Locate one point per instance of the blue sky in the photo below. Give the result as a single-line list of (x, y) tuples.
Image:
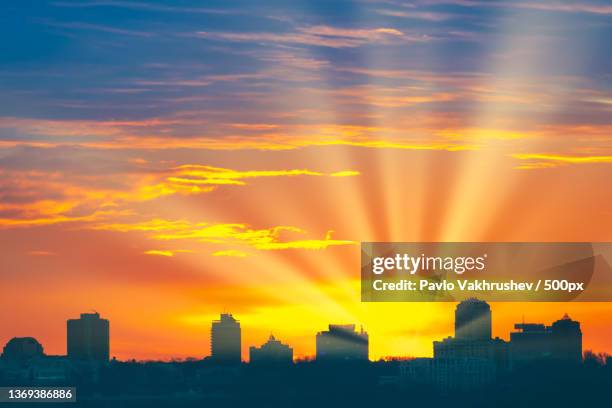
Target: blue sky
[(130, 59)]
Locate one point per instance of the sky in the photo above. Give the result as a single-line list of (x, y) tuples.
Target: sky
[(163, 162)]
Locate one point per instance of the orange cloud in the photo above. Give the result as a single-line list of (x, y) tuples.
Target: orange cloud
[(199, 174), (41, 253), (164, 133), (303, 244), (165, 252), (159, 252), (346, 173), (103, 203), (272, 238), (153, 225), (537, 160), (230, 252)]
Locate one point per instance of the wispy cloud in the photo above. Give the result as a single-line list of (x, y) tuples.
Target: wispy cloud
[(231, 252), (266, 239), (101, 28), (86, 204), (159, 133), (320, 35), (538, 160), (135, 5), (346, 173), (559, 6), (166, 252), (200, 174), (565, 6), (415, 14), (41, 253)]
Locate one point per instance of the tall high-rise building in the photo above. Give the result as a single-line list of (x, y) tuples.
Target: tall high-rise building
[(469, 360), (473, 336), (342, 342), (88, 338), (225, 344), (271, 352), (473, 320)]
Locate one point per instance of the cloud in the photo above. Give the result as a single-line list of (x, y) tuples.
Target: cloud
[(264, 239), (230, 252), (365, 34), (304, 244), (154, 225), (135, 5), (565, 6), (33, 198), (41, 253), (538, 160), (100, 28), (84, 129), (346, 173), (390, 144), (292, 60), (165, 252), (389, 97), (558, 6), (159, 252), (195, 179), (318, 35), (35, 202), (159, 133), (194, 174), (42, 220), (417, 15), (265, 142)]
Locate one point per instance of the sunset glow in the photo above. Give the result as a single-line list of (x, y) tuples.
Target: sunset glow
[(161, 164)]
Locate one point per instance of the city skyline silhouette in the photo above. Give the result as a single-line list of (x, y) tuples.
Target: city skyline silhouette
[(228, 343), (471, 365)]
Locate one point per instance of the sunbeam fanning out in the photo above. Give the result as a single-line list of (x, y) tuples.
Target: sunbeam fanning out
[(162, 162)]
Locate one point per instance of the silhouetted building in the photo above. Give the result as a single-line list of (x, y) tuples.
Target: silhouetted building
[(448, 374), (530, 342), (469, 360), (271, 352), (225, 344), (562, 341), (342, 342), (22, 350), (88, 338), (566, 340), (50, 370), (473, 320), (494, 350), (473, 336)]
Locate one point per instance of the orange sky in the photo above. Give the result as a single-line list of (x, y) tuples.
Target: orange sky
[(273, 280), (164, 164)]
